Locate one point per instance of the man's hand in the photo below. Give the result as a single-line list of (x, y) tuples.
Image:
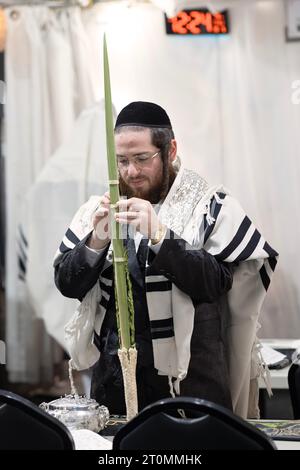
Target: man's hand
[(140, 214), (101, 233)]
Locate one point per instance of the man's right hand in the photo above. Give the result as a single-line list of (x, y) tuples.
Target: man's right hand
[(101, 234)]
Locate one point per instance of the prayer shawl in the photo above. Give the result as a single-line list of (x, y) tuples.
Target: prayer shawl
[(208, 218)]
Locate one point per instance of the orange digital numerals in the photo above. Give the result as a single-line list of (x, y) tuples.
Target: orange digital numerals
[(190, 22)]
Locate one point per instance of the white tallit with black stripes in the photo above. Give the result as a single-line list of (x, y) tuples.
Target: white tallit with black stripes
[(212, 219)]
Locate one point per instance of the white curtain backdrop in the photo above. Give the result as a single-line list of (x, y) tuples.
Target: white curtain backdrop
[(171, 7), (229, 99), (48, 82), (74, 173)]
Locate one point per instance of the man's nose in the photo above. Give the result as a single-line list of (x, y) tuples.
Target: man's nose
[(132, 169)]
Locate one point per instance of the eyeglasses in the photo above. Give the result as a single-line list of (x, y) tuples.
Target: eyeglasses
[(138, 160)]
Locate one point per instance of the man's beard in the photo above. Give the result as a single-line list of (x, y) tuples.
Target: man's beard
[(156, 193)]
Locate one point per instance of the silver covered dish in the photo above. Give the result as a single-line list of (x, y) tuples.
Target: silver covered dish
[(77, 412)]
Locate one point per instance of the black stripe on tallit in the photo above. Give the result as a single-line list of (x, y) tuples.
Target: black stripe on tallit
[(237, 239), (160, 286), (97, 340), (215, 207), (162, 328), (162, 334), (250, 247), (272, 253), (105, 288), (63, 248), (272, 263), (165, 323), (264, 277), (72, 237), (103, 302)]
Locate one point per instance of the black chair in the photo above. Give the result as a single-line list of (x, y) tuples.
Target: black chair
[(206, 426), (294, 388), (24, 425)]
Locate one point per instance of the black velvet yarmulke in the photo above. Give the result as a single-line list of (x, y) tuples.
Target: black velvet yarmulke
[(143, 113)]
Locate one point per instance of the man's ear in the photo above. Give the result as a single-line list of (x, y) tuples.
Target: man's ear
[(173, 150)]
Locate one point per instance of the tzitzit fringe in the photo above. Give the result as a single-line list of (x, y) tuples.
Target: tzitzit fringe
[(74, 390)]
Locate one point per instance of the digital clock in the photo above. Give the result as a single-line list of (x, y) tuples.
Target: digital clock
[(197, 22)]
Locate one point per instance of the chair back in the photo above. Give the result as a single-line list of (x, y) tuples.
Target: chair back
[(23, 425), (189, 423), (294, 388)]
